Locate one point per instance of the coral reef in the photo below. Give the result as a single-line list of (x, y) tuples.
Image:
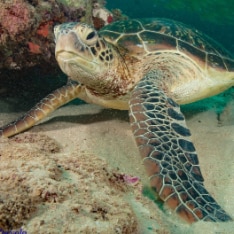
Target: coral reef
[(26, 30), (47, 186), (15, 18), (101, 16), (26, 27), (118, 15), (16, 169)]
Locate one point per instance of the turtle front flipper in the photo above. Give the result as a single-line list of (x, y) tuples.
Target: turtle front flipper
[(47, 105), (169, 155)]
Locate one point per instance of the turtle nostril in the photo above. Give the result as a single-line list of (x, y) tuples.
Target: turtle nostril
[(90, 35)]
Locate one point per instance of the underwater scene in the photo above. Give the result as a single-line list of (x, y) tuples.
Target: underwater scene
[(117, 117)]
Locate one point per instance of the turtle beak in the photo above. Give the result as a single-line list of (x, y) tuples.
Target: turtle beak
[(70, 53), (65, 43)]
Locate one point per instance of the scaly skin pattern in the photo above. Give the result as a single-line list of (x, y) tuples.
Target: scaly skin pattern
[(42, 109), (168, 153), (149, 67)]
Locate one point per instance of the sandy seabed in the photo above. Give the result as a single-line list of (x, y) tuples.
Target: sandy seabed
[(68, 174)]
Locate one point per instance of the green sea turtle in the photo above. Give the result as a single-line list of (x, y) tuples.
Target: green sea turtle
[(148, 66)]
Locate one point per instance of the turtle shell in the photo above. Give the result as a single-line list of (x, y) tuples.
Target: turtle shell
[(143, 36)]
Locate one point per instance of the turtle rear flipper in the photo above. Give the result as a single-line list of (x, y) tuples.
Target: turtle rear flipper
[(169, 155), (46, 106)]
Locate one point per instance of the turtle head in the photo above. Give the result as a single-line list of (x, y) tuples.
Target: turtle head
[(81, 53)]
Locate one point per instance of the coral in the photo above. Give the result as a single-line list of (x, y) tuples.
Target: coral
[(101, 16), (15, 17), (118, 15), (73, 3), (98, 23), (25, 193), (34, 48), (63, 192), (43, 29), (26, 30)]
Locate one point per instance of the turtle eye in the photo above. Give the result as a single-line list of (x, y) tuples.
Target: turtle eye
[(87, 34), (90, 35)]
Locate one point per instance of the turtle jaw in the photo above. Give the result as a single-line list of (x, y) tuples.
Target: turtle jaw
[(70, 48), (75, 59), (70, 62)]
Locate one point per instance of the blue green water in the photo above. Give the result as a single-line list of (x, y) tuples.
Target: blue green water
[(213, 17)]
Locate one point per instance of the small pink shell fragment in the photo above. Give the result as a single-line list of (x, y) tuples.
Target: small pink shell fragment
[(132, 180)]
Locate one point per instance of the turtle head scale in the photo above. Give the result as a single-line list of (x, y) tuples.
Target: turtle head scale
[(81, 53)]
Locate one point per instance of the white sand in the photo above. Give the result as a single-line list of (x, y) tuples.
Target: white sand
[(89, 139)]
